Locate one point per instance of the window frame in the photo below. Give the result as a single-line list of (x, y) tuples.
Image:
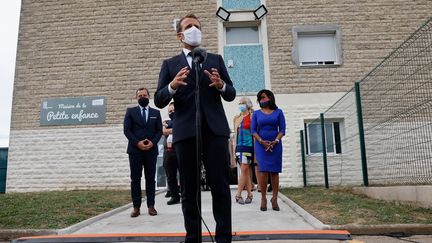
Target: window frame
[(175, 22), (336, 136), (242, 24), (317, 30)]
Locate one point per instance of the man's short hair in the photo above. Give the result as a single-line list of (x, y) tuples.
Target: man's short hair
[(142, 88), (190, 16)]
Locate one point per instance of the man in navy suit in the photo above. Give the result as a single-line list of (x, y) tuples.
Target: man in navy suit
[(177, 81), (143, 128)]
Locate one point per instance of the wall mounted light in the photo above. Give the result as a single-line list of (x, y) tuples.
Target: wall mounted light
[(223, 14), (260, 12)]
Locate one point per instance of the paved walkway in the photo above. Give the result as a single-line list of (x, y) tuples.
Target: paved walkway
[(246, 217)]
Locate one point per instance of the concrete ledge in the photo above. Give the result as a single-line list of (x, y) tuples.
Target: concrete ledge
[(73, 228), (9, 234), (76, 227), (414, 195), (303, 213), (386, 229)]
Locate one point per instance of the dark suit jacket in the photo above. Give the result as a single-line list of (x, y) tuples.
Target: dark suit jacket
[(135, 129), (211, 104)]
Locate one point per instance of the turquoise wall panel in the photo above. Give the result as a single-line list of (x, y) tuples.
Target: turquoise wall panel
[(247, 72), (241, 4)]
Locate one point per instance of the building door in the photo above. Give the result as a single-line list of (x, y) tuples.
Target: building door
[(3, 168), (244, 56), (243, 42)]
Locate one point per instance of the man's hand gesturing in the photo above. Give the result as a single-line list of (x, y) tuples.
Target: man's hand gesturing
[(215, 78), (179, 78)]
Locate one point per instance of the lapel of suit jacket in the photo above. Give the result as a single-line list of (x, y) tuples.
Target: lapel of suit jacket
[(149, 114), (183, 60), (205, 66)]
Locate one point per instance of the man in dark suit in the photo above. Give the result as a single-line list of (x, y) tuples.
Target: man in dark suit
[(143, 128), (177, 81)]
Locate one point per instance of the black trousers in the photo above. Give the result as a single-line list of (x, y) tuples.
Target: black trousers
[(136, 163), (216, 162), (171, 167)]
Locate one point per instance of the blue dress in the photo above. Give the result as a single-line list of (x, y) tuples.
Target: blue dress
[(267, 126)]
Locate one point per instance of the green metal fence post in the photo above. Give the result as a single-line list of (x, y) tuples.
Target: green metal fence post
[(303, 157), (361, 134), (324, 148)]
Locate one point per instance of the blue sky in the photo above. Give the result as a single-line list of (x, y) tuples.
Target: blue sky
[(9, 20)]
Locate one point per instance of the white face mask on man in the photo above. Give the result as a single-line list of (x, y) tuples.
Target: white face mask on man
[(192, 36)]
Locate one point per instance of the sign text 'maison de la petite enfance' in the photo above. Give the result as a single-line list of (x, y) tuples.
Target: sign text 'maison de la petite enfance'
[(73, 111)]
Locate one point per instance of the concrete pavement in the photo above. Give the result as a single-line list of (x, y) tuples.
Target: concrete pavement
[(246, 217)]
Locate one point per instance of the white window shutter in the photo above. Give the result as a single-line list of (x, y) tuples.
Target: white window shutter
[(317, 49)]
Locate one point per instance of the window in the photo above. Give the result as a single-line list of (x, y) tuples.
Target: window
[(175, 22), (315, 49), (242, 35), (313, 138), (316, 46)]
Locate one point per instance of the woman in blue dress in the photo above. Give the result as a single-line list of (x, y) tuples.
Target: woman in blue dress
[(268, 127)]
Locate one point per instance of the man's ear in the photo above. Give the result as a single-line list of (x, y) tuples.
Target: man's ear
[(179, 36)]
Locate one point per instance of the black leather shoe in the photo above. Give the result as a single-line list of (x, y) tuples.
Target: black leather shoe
[(174, 200), (168, 194)]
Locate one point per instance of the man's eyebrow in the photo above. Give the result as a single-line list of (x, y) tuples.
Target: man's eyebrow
[(196, 25)]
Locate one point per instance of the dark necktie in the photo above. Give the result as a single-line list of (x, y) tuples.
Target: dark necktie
[(193, 72), (144, 115), (192, 66)]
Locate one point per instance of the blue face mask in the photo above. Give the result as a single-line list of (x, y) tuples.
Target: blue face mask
[(265, 103), (242, 107)]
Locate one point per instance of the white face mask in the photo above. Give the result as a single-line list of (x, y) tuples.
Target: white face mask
[(192, 36)]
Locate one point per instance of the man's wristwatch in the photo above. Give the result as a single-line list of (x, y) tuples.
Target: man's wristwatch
[(277, 140)]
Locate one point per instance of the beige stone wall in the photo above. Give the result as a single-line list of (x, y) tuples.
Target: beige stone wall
[(69, 48), (88, 48), (370, 31), (68, 159)]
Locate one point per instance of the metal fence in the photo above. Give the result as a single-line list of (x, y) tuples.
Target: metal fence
[(380, 132)]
